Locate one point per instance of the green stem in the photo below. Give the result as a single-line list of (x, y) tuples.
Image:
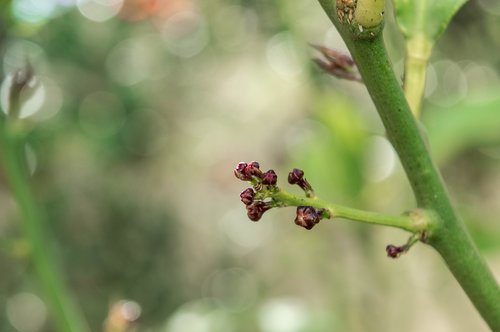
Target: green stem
[(403, 222), (449, 236), (66, 316), (418, 51)]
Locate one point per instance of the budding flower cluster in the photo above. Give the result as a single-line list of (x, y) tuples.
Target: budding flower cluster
[(308, 217), (261, 181), (245, 172), (256, 199)]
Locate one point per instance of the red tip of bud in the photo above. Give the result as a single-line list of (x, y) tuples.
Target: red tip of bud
[(269, 178), (247, 196)]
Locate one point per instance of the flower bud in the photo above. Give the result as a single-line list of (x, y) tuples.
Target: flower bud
[(307, 217), (247, 196), (269, 178), (295, 176), (240, 172), (253, 169), (256, 210), (394, 251)]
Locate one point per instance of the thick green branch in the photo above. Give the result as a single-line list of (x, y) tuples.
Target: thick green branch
[(449, 237)]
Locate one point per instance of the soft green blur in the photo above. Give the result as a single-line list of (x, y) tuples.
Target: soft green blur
[(144, 109)]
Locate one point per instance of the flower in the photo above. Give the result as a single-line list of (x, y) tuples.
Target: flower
[(256, 210), (247, 196), (307, 216), (269, 178)]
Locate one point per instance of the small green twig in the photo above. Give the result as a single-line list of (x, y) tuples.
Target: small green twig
[(265, 194), (405, 222)]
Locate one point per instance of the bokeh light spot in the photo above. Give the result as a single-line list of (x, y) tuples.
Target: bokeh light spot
[(130, 62), (26, 312), (282, 55), (188, 321), (20, 53), (480, 77), (451, 86), (185, 34), (130, 310), (380, 159), (99, 10), (283, 315), (33, 11)]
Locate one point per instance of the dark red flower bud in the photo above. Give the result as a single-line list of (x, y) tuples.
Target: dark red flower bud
[(247, 196), (307, 217), (253, 169), (240, 172), (394, 251), (256, 210), (269, 178), (295, 176)]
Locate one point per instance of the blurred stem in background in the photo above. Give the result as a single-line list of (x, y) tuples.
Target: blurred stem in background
[(418, 51), (13, 133)]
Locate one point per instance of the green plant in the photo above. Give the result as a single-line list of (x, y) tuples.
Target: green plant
[(434, 220), (13, 134)]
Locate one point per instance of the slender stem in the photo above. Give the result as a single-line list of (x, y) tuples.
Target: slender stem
[(418, 51), (66, 316), (449, 236), (403, 222)]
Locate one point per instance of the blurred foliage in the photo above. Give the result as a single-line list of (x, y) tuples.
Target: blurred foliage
[(147, 111)]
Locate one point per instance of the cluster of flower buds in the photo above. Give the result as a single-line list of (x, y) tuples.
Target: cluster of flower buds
[(395, 251), (296, 176), (251, 172), (264, 184), (308, 217)]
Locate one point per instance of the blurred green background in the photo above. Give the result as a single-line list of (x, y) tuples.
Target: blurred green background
[(145, 107)]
